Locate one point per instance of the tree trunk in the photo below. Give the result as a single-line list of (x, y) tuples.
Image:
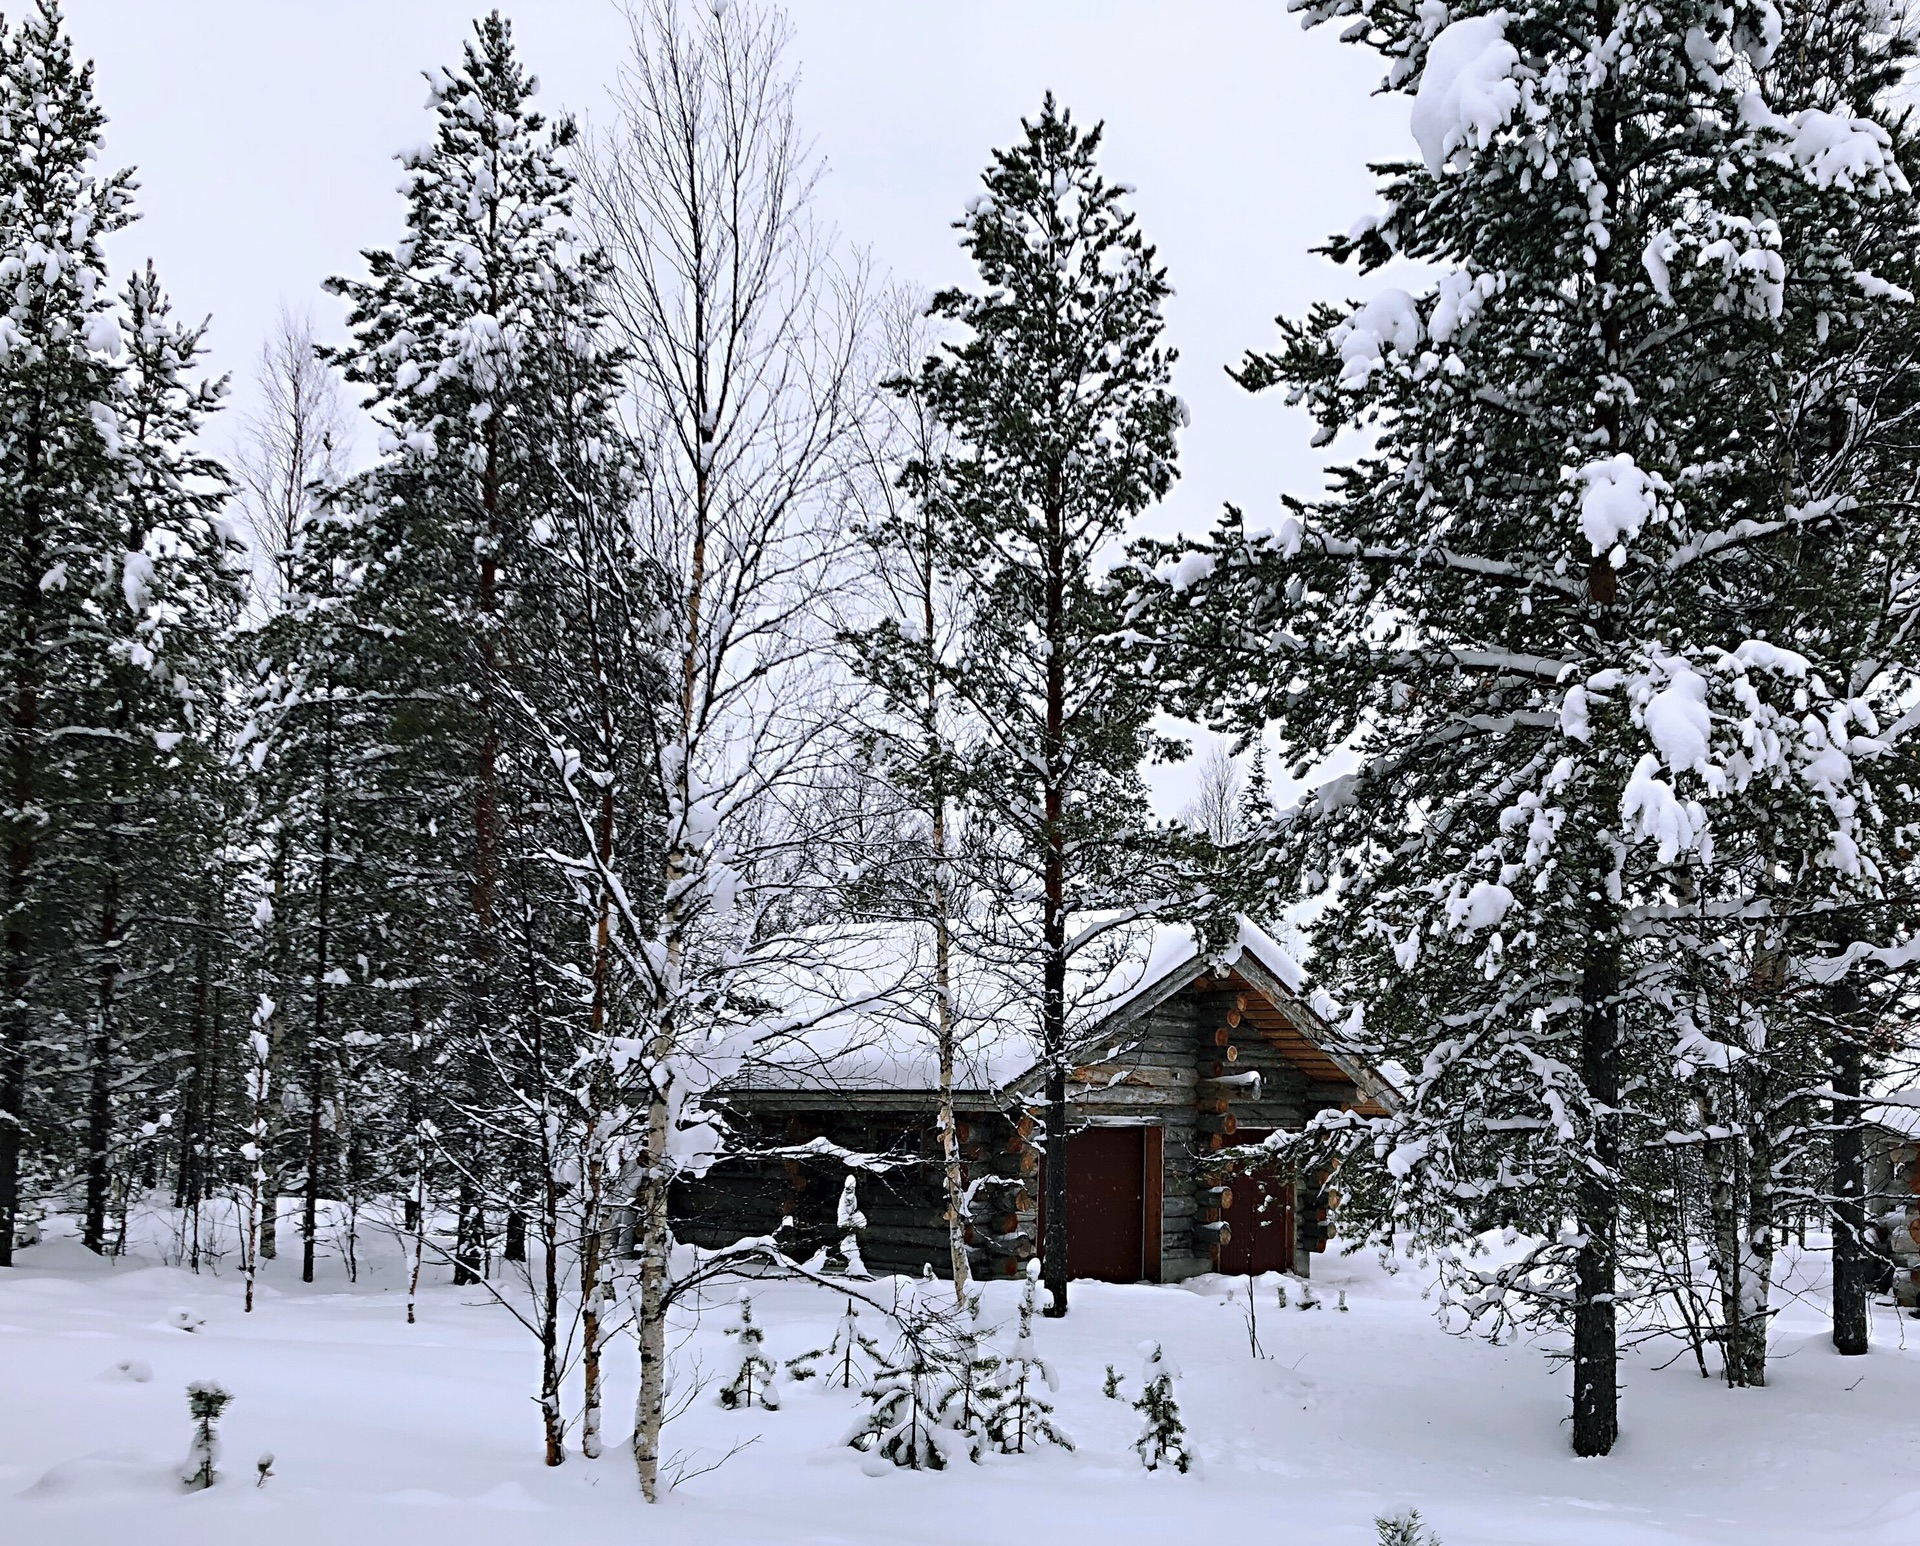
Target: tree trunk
[(655, 1244), (16, 1014), (316, 1041), (197, 1128), (1596, 1397), (1850, 1265), (1053, 944), (100, 1074), (953, 1170)]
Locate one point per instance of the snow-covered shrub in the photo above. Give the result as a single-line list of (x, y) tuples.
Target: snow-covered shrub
[(206, 1400), (756, 1380), (910, 1415), (976, 1392), (1403, 1530), (1020, 1414), (1163, 1436)]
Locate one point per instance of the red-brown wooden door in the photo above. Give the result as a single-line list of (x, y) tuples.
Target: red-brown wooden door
[(1260, 1221), (1106, 1204)]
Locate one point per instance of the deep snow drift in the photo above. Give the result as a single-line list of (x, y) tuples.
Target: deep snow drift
[(382, 1432)]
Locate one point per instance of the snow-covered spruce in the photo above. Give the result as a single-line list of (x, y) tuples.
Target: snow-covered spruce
[(206, 1400), (1163, 1436), (756, 1381), (1403, 1530), (912, 1417), (847, 1361), (1601, 613), (1021, 1415)]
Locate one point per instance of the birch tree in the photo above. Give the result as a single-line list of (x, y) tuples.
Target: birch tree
[(740, 329)]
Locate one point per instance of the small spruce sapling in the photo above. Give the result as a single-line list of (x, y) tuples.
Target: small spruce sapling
[(1403, 1530), (909, 1416), (206, 1400), (264, 1467), (976, 1391), (1022, 1415), (757, 1379), (1110, 1386), (839, 1362), (1163, 1436)]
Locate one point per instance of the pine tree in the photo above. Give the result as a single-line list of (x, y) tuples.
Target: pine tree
[(1552, 612), (840, 1360), (119, 597), (756, 1380), (910, 1418), (1021, 1415), (206, 1400), (1062, 429), (1163, 1436), (500, 617)]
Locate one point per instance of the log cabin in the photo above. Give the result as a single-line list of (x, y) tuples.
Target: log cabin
[(1193, 1054), (1893, 1195)]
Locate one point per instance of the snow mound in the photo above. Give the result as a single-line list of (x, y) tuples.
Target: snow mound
[(1467, 90), (64, 1254), (106, 1471)]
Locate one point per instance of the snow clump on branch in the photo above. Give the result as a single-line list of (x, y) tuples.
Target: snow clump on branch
[(1467, 90)]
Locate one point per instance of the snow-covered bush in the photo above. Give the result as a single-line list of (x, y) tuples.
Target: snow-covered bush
[(756, 1380), (1403, 1530), (206, 1400), (851, 1221), (1163, 1436), (1021, 1415), (910, 1418)]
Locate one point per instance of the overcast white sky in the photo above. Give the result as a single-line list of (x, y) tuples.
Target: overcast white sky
[(263, 132)]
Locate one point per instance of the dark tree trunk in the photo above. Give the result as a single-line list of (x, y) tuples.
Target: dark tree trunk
[(514, 1247), (1596, 1396), (1850, 1265), (469, 1236), (93, 1234), (316, 1041), (16, 1026), (1053, 944), (196, 1135)]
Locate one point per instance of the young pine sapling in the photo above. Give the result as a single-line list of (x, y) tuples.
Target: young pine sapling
[(756, 1380), (206, 1400), (1163, 1436), (1022, 1415), (839, 1362)]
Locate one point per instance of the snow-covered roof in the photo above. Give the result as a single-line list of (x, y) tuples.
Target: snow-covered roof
[(857, 1013), (1898, 1111)]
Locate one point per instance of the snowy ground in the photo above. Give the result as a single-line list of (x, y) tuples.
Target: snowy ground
[(426, 1434)]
